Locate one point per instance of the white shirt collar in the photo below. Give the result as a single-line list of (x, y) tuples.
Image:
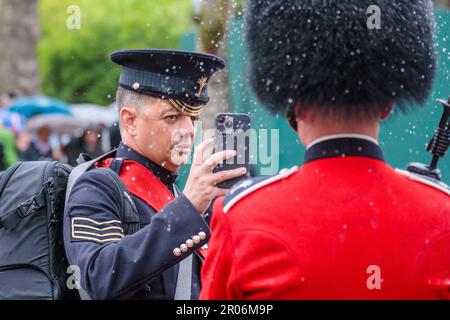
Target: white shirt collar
[(342, 135)]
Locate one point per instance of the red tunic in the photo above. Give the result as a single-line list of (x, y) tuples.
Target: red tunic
[(337, 228)]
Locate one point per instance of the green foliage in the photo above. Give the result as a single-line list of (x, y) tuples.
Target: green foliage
[(75, 64), (214, 18)]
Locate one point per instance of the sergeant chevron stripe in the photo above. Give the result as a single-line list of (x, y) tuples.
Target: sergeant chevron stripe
[(101, 232)]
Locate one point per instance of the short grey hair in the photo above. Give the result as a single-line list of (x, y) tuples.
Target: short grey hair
[(127, 98)]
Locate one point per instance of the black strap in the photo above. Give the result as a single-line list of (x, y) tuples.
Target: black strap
[(10, 220), (116, 165), (83, 157), (82, 168), (129, 214)]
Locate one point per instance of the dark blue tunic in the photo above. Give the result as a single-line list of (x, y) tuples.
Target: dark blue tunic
[(140, 266)]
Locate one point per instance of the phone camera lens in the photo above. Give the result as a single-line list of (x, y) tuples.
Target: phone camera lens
[(229, 124)]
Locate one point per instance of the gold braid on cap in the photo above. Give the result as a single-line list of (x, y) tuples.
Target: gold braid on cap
[(186, 108)]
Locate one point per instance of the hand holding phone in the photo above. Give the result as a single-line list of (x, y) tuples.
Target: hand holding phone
[(201, 186), (232, 133)]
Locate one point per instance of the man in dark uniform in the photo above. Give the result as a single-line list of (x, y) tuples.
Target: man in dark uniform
[(160, 98), (345, 225)]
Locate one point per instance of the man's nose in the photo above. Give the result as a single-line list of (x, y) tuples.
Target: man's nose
[(187, 126)]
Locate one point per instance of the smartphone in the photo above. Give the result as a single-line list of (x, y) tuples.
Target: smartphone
[(233, 133)]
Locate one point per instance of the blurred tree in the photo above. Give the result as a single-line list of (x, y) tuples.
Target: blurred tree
[(75, 62), (19, 34), (213, 27), (213, 22)]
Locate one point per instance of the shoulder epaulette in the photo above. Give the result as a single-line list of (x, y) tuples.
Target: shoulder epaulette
[(246, 187), (439, 185)]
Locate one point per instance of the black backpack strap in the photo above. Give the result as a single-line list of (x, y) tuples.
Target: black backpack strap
[(129, 214), (26, 208), (82, 168), (116, 165), (83, 157), (11, 219)]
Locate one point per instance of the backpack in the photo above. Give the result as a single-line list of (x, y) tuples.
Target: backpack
[(33, 264)]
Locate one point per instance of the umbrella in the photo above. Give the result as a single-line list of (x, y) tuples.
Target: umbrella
[(12, 120), (58, 124), (93, 115), (31, 106)]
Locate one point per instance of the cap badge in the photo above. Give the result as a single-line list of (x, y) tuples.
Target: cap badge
[(202, 82)]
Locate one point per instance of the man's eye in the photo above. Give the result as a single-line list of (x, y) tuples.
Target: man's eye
[(171, 118)]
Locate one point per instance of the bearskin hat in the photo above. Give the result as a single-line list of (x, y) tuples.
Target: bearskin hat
[(329, 54)]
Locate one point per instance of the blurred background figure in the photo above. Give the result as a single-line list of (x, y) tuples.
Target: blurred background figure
[(114, 136), (89, 143), (23, 141), (6, 99), (39, 148)]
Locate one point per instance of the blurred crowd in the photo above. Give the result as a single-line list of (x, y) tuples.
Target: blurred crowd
[(21, 140)]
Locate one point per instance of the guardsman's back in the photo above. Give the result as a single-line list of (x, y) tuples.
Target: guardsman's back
[(345, 225), (332, 231)]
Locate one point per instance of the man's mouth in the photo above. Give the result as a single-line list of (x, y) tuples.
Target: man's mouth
[(183, 148)]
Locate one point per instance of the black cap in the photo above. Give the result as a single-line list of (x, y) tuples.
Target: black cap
[(323, 54), (179, 76)]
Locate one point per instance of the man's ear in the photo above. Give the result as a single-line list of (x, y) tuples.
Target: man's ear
[(128, 117), (387, 111), (300, 114), (293, 115)]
